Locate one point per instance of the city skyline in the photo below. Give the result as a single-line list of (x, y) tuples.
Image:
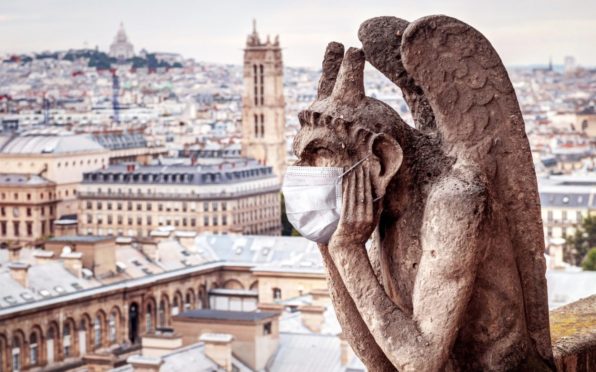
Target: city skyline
[(213, 33)]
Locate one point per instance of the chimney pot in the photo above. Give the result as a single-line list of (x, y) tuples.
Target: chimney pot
[(218, 347), (18, 272)]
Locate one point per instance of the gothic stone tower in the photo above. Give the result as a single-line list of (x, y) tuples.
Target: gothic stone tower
[(263, 120)]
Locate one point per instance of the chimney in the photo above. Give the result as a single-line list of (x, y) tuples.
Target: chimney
[(18, 272), (145, 364), (161, 342), (345, 351), (73, 263), (14, 253), (218, 347), (313, 317), (43, 257)]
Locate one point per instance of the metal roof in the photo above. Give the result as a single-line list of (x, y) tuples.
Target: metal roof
[(51, 144), (209, 314)]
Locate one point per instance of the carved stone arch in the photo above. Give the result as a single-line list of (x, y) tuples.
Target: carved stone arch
[(189, 299), (115, 326), (84, 334), (254, 286), (53, 352), (149, 314), (18, 350), (70, 338), (99, 330), (233, 284)]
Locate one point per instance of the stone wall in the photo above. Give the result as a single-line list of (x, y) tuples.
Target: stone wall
[(573, 332)]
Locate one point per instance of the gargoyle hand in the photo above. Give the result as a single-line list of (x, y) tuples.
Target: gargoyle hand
[(357, 221)]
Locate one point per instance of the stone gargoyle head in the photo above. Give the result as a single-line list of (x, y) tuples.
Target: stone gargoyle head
[(343, 125)]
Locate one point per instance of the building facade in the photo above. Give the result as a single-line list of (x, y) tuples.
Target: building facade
[(28, 208), (61, 158), (220, 196), (263, 118), (67, 320)]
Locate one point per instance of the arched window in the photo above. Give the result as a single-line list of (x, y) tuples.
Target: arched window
[(66, 340), (162, 313), (148, 318), (97, 332), (175, 306), (276, 294), (51, 343), (33, 349), (16, 354), (188, 302), (112, 327)]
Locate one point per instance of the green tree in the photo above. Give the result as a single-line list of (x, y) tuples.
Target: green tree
[(578, 245), (589, 262), (286, 227)]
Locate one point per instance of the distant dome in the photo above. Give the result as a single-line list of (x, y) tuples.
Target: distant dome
[(121, 48)]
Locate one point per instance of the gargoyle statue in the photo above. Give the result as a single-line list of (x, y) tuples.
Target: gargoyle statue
[(455, 277)]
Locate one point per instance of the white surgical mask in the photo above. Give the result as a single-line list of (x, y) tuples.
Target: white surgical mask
[(313, 198)]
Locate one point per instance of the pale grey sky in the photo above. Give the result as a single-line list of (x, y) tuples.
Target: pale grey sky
[(522, 31)]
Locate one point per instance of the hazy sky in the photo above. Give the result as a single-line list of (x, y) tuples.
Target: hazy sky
[(523, 32)]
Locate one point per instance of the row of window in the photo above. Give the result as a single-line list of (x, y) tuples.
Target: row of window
[(16, 211), (28, 228), (171, 206), (162, 221), (564, 216)]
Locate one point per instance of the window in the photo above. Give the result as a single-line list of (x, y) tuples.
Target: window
[(66, 340), (139, 221), (149, 220), (16, 354), (97, 332), (119, 206), (564, 216), (549, 216), (578, 216), (160, 207), (206, 221), (15, 228), (162, 313), (33, 350), (99, 205), (29, 228), (148, 318), (193, 222), (224, 220), (28, 196), (215, 222), (148, 206), (214, 206), (28, 212), (129, 206), (3, 228), (276, 294), (109, 206), (267, 328), (139, 206), (112, 328)]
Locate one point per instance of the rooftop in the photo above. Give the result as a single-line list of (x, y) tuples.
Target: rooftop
[(208, 314), (230, 171), (10, 179), (50, 143)]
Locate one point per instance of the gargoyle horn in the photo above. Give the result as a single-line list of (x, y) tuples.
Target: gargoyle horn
[(349, 87), (331, 63)]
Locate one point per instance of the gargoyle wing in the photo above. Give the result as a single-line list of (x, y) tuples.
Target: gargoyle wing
[(478, 119)]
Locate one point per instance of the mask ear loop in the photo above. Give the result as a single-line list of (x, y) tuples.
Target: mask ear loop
[(352, 168)]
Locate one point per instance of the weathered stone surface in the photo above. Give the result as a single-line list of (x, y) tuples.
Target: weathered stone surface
[(455, 277), (573, 330)]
